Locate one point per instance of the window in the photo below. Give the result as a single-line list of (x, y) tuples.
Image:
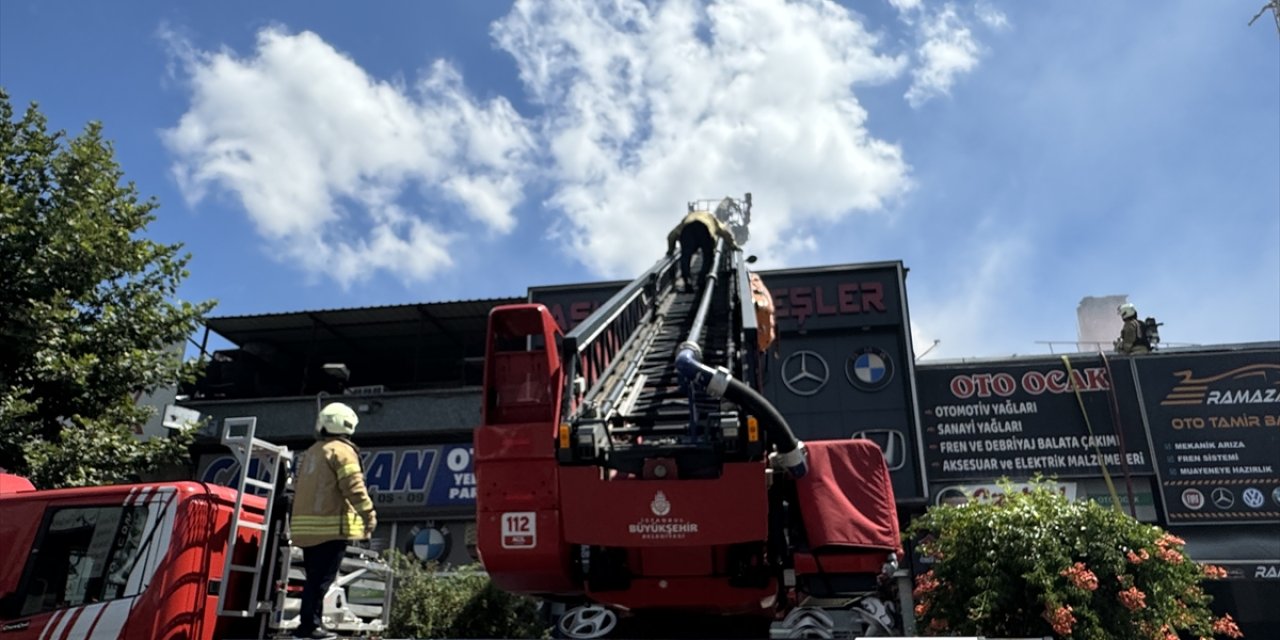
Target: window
[(85, 555)]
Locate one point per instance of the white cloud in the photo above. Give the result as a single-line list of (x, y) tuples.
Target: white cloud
[(947, 51), (991, 16), (639, 107), (320, 155), (649, 107)]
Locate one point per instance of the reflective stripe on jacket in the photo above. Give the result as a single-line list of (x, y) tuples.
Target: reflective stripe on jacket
[(330, 500)]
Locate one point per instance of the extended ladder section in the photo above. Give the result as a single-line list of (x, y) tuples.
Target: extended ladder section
[(660, 377), (626, 399), (238, 436)]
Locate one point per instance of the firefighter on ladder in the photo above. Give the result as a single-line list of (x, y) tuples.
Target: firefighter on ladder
[(331, 507), (1133, 336), (697, 233)]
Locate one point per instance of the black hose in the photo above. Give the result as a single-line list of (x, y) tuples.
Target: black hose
[(770, 419), (791, 452), (704, 304)]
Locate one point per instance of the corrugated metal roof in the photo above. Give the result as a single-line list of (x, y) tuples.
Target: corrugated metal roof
[(387, 321), (375, 308)]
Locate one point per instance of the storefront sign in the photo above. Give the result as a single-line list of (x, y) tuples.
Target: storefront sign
[(866, 295), (983, 422), (813, 300), (570, 305), (836, 298), (397, 477), (843, 364), (1215, 426)]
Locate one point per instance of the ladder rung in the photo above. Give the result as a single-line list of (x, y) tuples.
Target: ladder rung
[(257, 526), (246, 568), (258, 443), (254, 482)]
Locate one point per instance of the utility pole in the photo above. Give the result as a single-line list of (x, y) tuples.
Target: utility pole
[(1274, 6)]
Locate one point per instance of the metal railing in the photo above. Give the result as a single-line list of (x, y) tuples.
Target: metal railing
[(590, 351), (1091, 346)]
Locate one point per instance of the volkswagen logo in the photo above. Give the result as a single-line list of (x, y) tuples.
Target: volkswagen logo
[(1253, 498), (805, 373)]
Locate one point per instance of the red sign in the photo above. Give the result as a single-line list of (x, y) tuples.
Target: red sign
[(844, 298), (576, 313), (1034, 382)]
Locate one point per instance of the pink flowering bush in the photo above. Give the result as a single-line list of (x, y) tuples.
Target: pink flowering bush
[(1037, 564)]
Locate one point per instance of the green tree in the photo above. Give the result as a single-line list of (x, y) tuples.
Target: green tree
[(88, 314), (1036, 564)]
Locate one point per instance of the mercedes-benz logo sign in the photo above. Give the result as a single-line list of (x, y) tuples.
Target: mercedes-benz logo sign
[(1222, 498), (805, 373)]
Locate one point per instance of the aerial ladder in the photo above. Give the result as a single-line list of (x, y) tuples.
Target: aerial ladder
[(630, 469)]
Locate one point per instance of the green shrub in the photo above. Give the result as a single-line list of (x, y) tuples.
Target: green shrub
[(1036, 564), (461, 604)]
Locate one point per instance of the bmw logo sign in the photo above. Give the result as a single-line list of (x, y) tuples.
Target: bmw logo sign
[(869, 369), (430, 544)]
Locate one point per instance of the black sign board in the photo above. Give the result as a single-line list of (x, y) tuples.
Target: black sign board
[(844, 366), (984, 421), (571, 304), (837, 297), (1215, 427)]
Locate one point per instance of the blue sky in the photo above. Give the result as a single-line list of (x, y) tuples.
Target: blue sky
[(1016, 156)]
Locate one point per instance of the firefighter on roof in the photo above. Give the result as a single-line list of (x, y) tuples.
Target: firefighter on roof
[(331, 507), (1133, 336), (696, 233)]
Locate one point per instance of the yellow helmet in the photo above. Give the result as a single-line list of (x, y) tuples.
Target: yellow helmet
[(337, 419)]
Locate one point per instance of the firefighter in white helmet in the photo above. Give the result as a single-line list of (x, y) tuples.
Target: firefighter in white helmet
[(331, 507), (1133, 336)]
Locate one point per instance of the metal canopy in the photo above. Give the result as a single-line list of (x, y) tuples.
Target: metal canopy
[(398, 347), (358, 324)]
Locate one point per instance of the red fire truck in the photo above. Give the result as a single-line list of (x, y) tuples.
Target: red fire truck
[(170, 560), (630, 468)]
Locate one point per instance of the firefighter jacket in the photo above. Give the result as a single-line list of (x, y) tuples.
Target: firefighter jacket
[(1133, 338), (330, 501), (712, 223)]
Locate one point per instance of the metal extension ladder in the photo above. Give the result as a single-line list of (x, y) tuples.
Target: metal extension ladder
[(271, 458)]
